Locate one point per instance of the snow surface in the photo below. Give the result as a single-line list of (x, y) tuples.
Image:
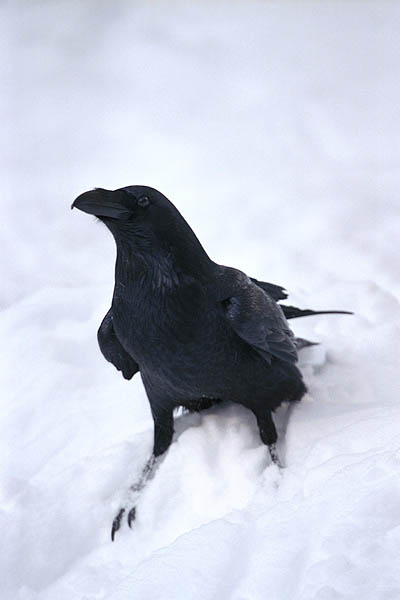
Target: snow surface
[(274, 127)]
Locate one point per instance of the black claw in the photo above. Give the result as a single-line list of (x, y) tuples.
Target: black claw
[(131, 516), (117, 523)]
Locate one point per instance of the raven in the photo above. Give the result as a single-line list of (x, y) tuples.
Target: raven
[(198, 332)]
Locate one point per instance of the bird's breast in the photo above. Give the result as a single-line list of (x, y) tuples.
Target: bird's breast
[(183, 344), (165, 326)]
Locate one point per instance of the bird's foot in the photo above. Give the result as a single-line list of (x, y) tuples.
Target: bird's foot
[(116, 524), (133, 496)]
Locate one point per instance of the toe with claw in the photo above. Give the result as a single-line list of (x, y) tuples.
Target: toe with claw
[(131, 516), (117, 523)]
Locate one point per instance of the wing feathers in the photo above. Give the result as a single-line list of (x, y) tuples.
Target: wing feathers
[(112, 349), (258, 320)]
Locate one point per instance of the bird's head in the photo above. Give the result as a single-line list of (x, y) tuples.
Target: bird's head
[(143, 219)]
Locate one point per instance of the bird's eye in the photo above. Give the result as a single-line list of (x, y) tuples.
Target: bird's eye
[(143, 201)]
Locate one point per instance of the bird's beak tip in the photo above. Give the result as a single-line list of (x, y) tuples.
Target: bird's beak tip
[(101, 203)]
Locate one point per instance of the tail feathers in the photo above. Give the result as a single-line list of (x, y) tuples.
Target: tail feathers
[(277, 292), (302, 343), (291, 312)]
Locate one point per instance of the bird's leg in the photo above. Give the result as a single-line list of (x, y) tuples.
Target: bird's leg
[(268, 434), (163, 428), (163, 432), (133, 492), (129, 510)]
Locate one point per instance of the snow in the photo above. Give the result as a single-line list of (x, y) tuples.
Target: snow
[(274, 128)]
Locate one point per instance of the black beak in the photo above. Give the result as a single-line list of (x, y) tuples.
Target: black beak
[(102, 203)]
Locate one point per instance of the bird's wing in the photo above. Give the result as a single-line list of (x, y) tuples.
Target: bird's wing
[(112, 349), (256, 317)]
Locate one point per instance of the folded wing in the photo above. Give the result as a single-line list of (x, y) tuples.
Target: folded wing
[(257, 318), (112, 349)]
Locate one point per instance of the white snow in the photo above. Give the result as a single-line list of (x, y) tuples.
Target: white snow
[(274, 127)]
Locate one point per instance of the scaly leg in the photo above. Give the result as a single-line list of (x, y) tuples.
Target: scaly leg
[(163, 432), (268, 435)]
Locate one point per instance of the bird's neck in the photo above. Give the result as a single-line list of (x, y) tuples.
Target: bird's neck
[(159, 274)]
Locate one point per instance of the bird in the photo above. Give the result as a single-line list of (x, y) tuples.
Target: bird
[(197, 332)]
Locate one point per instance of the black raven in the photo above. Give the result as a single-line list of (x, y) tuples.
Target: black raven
[(198, 332)]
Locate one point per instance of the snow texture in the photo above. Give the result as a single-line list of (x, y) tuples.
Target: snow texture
[(274, 127)]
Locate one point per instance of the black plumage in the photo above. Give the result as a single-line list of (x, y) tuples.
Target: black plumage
[(197, 332)]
